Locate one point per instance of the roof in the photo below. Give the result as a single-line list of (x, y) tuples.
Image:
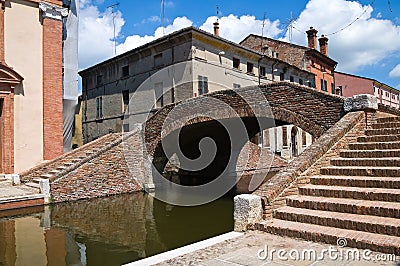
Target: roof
[(371, 79), (306, 49), (181, 32)]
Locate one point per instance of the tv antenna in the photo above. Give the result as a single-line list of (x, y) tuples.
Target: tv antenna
[(113, 16), (262, 34), (162, 16)]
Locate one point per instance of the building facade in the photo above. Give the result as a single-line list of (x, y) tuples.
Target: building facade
[(352, 85), (192, 63), (31, 123), (306, 58)]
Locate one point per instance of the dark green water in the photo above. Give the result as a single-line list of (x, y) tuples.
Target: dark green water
[(108, 231)]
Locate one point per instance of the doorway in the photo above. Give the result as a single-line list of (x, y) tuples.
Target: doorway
[(294, 141)]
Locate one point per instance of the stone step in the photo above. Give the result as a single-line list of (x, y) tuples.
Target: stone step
[(54, 172), (379, 194), (366, 223), (375, 145), (389, 161), (356, 181), (355, 206), (361, 171), (383, 131), (389, 119), (386, 125), (33, 185), (356, 239), (48, 176), (369, 153), (383, 138), (61, 167), (4, 182)]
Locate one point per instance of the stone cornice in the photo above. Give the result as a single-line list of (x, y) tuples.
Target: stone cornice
[(52, 11)]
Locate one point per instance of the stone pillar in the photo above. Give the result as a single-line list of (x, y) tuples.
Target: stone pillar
[(52, 80), (363, 102), (247, 211)]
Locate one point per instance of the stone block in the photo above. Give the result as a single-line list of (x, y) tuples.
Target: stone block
[(247, 211), (361, 102), (44, 185), (16, 181)]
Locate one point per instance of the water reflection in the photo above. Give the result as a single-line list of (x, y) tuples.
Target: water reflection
[(108, 231)]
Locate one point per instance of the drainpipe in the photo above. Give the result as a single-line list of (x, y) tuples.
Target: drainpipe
[(259, 68), (273, 67)]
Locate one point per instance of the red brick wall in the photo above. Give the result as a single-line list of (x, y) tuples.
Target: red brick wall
[(8, 134), (52, 89), (352, 85)]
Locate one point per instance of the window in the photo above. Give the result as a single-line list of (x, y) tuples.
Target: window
[(99, 79), (262, 71), (125, 100), (158, 60), (203, 85), (250, 67), (158, 89), (126, 127), (236, 86), (125, 71), (284, 136), (236, 63), (333, 88), (99, 107), (324, 85), (304, 138), (301, 82), (339, 90), (291, 79), (282, 76)]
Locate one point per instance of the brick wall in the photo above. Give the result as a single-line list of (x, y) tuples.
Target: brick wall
[(52, 89), (7, 153)]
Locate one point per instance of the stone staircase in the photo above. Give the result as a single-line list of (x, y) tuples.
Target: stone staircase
[(68, 162), (356, 198)]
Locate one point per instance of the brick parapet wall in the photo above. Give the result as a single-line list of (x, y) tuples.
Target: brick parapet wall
[(45, 166), (388, 109), (111, 172), (316, 155), (52, 89)]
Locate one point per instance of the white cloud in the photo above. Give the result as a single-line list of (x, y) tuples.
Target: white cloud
[(395, 73), (134, 41), (96, 33), (366, 42), (236, 29)]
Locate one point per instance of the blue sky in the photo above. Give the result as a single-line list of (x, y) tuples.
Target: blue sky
[(369, 47)]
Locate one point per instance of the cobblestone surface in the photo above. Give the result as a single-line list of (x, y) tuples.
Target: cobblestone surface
[(243, 251)]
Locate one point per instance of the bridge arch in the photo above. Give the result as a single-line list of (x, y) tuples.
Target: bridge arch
[(304, 107)]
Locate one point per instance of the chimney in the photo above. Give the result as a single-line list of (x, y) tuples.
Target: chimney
[(323, 45), (216, 28), (312, 38)]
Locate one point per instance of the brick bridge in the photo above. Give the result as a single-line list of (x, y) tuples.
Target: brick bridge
[(258, 108)]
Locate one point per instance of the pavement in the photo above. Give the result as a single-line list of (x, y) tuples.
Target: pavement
[(254, 248)]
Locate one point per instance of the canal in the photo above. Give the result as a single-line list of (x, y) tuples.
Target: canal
[(107, 231)]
